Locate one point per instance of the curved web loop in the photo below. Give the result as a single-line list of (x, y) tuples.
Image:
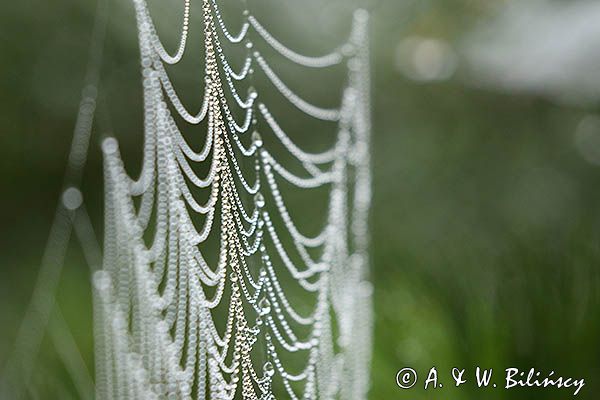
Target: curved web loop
[(179, 317)]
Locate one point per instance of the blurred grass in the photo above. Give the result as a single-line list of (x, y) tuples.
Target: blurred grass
[(485, 221)]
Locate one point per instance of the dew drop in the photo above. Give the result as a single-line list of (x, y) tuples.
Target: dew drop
[(259, 200), (264, 305), (101, 280), (252, 92), (72, 198), (109, 145), (257, 139), (268, 369)]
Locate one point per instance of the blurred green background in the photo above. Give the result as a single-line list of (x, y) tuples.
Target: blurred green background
[(485, 218)]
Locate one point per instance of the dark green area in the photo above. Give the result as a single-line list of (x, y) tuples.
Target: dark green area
[(485, 219)]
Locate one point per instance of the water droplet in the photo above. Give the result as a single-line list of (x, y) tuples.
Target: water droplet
[(257, 139), (259, 200), (347, 50), (252, 92), (72, 198), (109, 145), (264, 305), (162, 326), (101, 280), (268, 369)]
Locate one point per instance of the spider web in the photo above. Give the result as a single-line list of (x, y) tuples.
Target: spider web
[(225, 297)]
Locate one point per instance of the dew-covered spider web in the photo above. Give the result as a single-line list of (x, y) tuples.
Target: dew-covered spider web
[(210, 287)]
